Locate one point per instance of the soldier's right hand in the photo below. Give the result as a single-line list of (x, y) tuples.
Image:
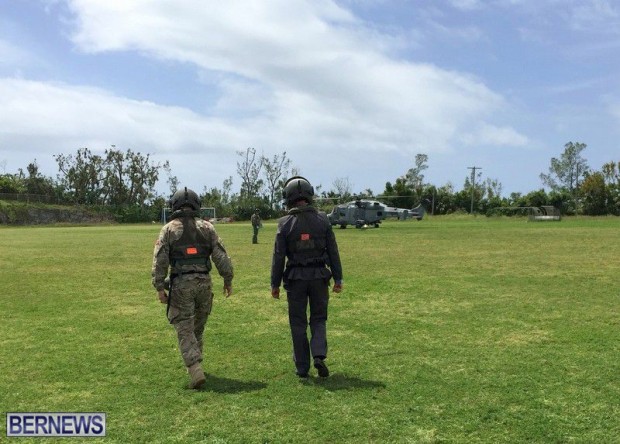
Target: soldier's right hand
[(227, 290), (163, 297), (275, 292)]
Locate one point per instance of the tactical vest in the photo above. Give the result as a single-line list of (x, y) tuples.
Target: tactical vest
[(306, 243), (192, 249)]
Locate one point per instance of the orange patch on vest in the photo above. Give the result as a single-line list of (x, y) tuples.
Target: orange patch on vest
[(191, 250), (305, 236)]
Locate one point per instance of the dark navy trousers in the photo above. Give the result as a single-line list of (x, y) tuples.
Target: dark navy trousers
[(300, 294)]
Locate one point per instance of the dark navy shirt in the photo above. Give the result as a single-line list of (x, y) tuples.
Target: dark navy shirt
[(306, 242)]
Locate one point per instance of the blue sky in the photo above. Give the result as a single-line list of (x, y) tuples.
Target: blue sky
[(349, 88)]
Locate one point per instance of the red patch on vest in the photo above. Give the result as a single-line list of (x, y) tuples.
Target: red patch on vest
[(191, 250), (305, 236)]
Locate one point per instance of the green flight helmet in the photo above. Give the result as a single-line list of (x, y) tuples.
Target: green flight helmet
[(295, 189), (185, 198)]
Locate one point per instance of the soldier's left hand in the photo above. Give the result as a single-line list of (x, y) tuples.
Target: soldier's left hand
[(163, 297), (227, 290)]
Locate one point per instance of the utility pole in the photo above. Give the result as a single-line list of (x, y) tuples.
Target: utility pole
[(473, 183)]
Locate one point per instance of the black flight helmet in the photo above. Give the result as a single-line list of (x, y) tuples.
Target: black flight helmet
[(295, 189), (185, 198)]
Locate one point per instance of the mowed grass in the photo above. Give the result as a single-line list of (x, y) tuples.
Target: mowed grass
[(448, 330)]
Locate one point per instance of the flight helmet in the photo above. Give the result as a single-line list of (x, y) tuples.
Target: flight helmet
[(185, 197), (295, 189)]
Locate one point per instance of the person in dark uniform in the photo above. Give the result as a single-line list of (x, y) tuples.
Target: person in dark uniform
[(306, 242)]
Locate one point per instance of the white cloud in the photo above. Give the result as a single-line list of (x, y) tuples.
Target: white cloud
[(498, 136), (302, 76), (312, 64), (94, 118)]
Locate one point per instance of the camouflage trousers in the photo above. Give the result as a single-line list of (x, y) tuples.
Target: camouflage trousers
[(190, 306), (255, 237)]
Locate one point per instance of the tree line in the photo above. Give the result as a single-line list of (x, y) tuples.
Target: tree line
[(123, 183), (574, 188)]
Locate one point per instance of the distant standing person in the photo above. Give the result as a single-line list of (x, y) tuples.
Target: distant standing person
[(256, 225), (184, 249), (306, 242)]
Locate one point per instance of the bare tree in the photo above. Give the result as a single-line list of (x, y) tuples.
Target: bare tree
[(611, 173), (414, 178), (275, 172), (343, 188), (249, 171), (173, 181), (493, 188)]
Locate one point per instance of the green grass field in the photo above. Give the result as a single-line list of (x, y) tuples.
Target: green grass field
[(448, 330)]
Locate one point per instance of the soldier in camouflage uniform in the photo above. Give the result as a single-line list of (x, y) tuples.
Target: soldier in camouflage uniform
[(306, 242), (185, 248), (256, 225)]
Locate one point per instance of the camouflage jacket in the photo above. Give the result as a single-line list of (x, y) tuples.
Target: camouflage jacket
[(170, 233)]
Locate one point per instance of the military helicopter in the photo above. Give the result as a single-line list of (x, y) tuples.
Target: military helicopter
[(365, 212)]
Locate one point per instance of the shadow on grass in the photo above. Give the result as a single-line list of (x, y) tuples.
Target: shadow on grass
[(226, 385), (343, 382)]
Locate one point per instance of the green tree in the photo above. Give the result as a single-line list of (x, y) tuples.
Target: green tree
[(118, 179), (567, 172), (219, 198), (81, 176), (563, 200), (37, 183), (407, 190), (611, 173), (536, 198), (12, 184), (595, 194), (141, 177), (443, 202), (399, 194)]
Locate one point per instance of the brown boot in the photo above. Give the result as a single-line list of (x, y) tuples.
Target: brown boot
[(197, 376)]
